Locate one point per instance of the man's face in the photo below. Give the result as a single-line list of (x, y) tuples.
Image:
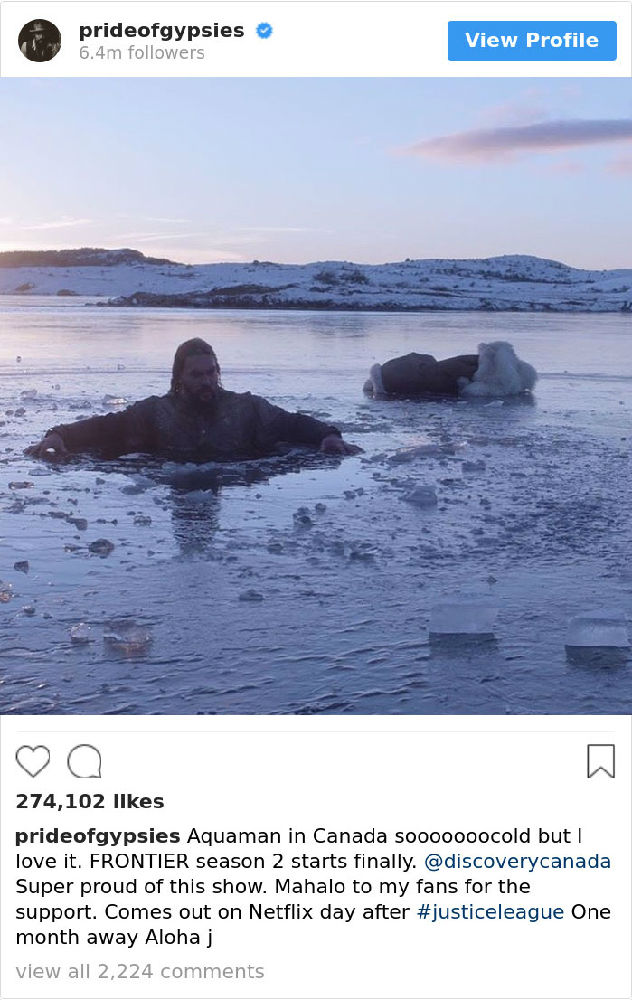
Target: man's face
[(200, 378)]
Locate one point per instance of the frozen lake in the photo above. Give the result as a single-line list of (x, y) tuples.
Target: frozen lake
[(305, 584)]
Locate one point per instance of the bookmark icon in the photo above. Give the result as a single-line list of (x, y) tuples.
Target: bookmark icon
[(600, 758)]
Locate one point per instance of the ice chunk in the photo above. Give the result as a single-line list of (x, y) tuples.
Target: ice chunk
[(128, 638), (606, 629), (80, 523), (250, 595), (421, 451), (101, 547), (422, 496), (463, 615), (80, 633)]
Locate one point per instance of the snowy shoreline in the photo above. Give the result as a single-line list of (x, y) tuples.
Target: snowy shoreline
[(512, 283)]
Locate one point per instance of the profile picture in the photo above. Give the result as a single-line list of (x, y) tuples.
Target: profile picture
[(39, 41)]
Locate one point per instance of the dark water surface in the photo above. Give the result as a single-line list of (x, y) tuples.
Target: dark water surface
[(305, 583)]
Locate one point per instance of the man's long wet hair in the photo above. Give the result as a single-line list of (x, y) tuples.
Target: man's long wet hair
[(193, 348)]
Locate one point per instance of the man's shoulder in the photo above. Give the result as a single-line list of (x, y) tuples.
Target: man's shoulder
[(246, 406), (151, 403), (150, 408), (229, 394), (232, 399)]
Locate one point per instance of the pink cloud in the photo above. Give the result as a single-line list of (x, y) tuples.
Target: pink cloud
[(622, 165), (566, 167), (506, 142)]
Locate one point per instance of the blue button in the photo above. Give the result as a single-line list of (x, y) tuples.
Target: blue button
[(532, 41)]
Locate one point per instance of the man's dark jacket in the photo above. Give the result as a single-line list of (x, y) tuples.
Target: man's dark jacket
[(233, 425)]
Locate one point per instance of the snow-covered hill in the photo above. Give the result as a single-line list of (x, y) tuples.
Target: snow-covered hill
[(512, 282)]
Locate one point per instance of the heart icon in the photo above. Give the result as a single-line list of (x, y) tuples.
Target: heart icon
[(33, 759)]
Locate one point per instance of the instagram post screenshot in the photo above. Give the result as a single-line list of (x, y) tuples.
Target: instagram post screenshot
[(315, 478)]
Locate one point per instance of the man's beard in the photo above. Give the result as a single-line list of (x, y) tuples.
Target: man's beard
[(202, 404)]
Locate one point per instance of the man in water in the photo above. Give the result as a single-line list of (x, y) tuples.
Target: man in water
[(196, 421)]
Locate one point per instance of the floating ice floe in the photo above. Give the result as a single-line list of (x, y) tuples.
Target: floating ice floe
[(128, 638), (80, 523), (302, 519), (101, 547), (463, 615), (250, 595), (421, 451), (422, 496), (602, 629), (80, 634)]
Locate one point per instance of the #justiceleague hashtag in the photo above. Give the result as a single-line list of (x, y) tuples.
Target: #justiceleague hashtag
[(433, 912)]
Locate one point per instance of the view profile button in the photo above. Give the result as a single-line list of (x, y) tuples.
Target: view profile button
[(532, 41)]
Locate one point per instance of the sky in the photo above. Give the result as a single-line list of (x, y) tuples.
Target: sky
[(302, 170)]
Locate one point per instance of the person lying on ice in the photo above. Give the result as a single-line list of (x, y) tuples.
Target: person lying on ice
[(494, 372)]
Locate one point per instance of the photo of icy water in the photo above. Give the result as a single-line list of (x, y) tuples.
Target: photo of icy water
[(304, 583)]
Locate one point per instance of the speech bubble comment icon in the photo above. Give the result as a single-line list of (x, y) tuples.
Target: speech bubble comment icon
[(84, 761), (33, 760)]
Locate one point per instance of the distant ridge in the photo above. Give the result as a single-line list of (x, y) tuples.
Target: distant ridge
[(506, 283), (83, 257)]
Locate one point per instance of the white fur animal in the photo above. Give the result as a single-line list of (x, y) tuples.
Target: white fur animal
[(500, 373), (374, 383)]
